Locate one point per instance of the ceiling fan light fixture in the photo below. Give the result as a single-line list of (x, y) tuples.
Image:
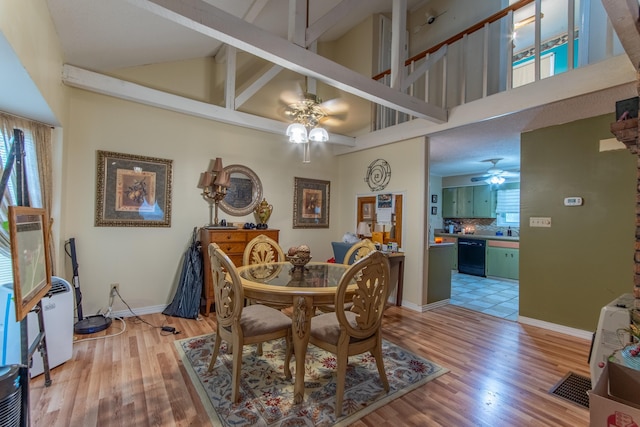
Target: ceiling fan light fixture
[(495, 180), (297, 133), (318, 135)]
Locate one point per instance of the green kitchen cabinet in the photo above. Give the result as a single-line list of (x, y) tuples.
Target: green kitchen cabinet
[(465, 202), (476, 201), (450, 202), (503, 262), (482, 201)]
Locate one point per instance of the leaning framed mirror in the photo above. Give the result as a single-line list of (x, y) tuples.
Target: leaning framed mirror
[(244, 192)]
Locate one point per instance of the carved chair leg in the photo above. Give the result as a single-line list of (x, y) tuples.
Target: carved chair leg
[(216, 350), (235, 376), (377, 354), (341, 372)]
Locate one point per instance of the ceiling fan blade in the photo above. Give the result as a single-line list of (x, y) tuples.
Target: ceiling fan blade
[(290, 97), (335, 119), (478, 178), (335, 106), (508, 174)]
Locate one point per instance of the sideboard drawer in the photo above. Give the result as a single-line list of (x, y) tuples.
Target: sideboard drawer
[(232, 248), (226, 236)]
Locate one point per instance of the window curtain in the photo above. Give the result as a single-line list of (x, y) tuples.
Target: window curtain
[(38, 168)]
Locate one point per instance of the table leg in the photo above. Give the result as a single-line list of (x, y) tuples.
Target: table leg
[(400, 282), (301, 323)]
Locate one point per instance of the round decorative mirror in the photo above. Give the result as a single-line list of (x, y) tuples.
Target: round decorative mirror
[(244, 192)]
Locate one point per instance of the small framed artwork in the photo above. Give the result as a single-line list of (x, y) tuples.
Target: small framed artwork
[(434, 198), (310, 203), (367, 211), (29, 235), (434, 210), (132, 191)]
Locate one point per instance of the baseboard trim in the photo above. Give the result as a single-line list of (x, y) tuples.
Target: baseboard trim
[(435, 305), (574, 332), (139, 311)]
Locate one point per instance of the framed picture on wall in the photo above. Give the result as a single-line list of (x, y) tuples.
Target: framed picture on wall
[(310, 203), (434, 210), (132, 191), (434, 198)]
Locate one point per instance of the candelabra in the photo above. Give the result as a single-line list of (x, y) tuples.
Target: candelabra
[(214, 183)]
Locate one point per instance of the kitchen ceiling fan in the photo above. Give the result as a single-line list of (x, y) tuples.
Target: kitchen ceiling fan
[(494, 175)]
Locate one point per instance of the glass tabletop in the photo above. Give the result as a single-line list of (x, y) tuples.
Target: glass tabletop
[(313, 275)]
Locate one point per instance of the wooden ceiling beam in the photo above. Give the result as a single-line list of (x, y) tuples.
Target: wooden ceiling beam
[(111, 86), (209, 20)]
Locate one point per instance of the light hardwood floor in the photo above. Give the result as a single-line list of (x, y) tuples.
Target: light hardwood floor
[(500, 375)]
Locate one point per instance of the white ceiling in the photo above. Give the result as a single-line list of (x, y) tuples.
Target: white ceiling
[(104, 35)]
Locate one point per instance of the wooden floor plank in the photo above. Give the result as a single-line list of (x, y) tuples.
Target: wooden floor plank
[(500, 375)]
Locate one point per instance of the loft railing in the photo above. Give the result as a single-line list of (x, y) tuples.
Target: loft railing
[(521, 44)]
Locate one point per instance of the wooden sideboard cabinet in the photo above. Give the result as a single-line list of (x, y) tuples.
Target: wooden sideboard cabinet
[(232, 242)]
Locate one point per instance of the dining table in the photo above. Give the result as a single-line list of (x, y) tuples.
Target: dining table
[(302, 289)]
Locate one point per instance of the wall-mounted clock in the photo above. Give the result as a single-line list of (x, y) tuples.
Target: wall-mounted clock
[(378, 175)]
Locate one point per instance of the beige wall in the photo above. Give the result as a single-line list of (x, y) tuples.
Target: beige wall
[(585, 260), (407, 160), (193, 79), (147, 261), (27, 26)]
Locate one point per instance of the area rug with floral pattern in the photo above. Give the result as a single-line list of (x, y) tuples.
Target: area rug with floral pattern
[(267, 397)]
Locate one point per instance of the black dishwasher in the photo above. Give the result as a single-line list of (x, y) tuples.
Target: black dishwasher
[(471, 254)]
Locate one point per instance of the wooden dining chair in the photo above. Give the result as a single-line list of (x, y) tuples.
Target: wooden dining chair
[(359, 250), (357, 330), (262, 249), (239, 325)]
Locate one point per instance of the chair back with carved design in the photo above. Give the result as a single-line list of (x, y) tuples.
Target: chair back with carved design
[(359, 251), (228, 294), (371, 275), (261, 250), (239, 325), (355, 330)]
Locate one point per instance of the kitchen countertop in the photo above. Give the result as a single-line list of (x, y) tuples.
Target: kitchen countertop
[(480, 236), (436, 245)]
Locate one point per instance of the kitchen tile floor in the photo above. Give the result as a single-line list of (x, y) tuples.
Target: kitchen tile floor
[(493, 296)]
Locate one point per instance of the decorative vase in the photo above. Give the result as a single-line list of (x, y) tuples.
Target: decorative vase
[(263, 212)]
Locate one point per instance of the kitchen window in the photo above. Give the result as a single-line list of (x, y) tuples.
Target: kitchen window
[(508, 208)]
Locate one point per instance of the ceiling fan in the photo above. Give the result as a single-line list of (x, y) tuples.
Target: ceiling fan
[(494, 175), (306, 108)]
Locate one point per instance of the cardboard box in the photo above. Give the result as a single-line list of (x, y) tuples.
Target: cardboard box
[(615, 401)]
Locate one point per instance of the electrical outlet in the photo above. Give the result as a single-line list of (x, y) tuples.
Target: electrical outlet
[(539, 221), (115, 289)]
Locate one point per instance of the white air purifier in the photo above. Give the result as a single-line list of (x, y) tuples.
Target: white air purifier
[(58, 324), (610, 336)]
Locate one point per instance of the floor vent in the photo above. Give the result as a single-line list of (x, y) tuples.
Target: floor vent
[(573, 387)]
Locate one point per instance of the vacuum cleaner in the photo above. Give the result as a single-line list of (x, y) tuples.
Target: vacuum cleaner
[(89, 324)]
